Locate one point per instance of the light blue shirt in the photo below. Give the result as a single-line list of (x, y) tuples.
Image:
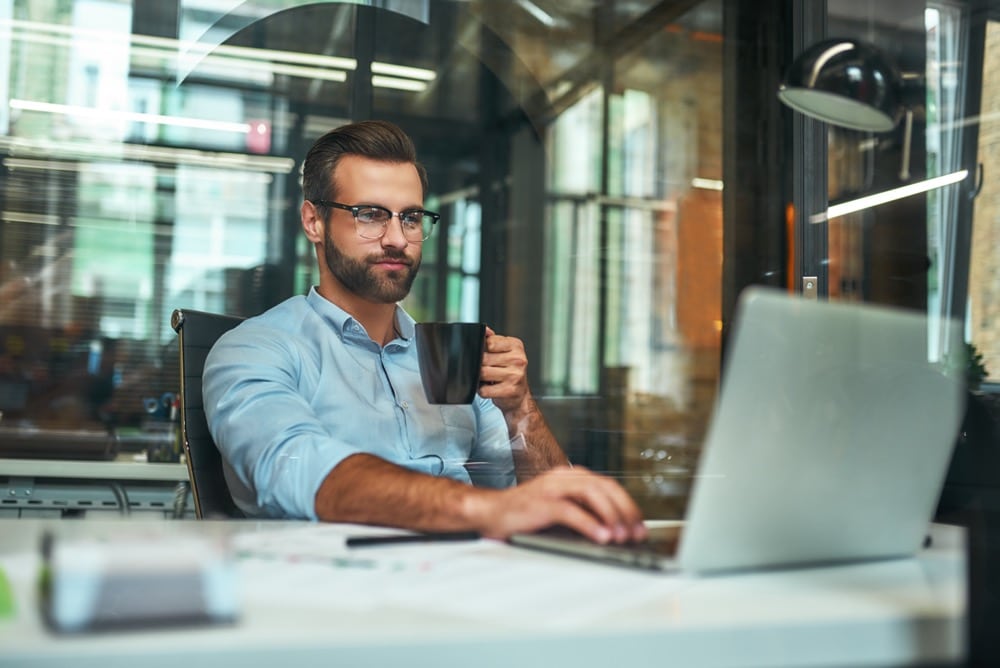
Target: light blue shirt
[(292, 392)]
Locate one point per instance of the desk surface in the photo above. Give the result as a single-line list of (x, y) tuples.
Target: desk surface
[(123, 467), (308, 600)]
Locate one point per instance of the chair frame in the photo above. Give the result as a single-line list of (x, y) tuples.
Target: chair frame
[(197, 332)]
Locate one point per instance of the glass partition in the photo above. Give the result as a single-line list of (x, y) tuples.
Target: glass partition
[(150, 154)]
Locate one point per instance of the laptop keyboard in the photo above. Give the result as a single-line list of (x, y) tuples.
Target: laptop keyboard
[(662, 541)]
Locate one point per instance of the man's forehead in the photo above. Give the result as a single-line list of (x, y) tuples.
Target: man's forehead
[(363, 177)]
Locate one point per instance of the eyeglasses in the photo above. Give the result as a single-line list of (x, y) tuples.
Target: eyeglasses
[(371, 221)]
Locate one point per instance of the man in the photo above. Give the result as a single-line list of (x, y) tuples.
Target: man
[(317, 404)]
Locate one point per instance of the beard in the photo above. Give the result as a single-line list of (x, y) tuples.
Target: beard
[(359, 276)]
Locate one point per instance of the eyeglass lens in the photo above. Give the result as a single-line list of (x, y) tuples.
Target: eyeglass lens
[(373, 220)]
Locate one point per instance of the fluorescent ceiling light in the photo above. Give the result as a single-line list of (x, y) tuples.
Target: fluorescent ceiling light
[(706, 184), (32, 218), (305, 72), (638, 203), (400, 84), (541, 16), (132, 116), (223, 60), (403, 71), (870, 201), (232, 68), (44, 165), (76, 166), (249, 53), (315, 125), (35, 31), (69, 150)]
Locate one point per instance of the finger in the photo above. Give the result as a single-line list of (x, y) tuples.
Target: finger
[(512, 359), (629, 515), (582, 520), (575, 517), (501, 390), (609, 503), (498, 374), (533, 512), (595, 497), (512, 377), (538, 509), (503, 394), (499, 344)]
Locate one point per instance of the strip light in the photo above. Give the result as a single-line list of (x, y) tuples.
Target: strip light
[(389, 69), (35, 31), (706, 184), (869, 201), (88, 150), (541, 16), (133, 116), (399, 84), (264, 61)]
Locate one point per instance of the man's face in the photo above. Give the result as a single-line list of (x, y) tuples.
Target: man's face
[(377, 270)]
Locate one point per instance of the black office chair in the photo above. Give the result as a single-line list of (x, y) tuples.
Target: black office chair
[(197, 332)]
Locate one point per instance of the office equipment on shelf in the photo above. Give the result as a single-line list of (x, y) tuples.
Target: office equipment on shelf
[(830, 442), (44, 443), (58, 488), (197, 332), (13, 394)]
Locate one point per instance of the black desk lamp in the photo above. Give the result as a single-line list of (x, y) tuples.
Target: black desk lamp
[(853, 85)]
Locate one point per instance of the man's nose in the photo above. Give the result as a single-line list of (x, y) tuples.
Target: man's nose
[(394, 233)]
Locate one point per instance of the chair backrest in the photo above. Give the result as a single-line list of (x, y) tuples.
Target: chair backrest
[(197, 332)]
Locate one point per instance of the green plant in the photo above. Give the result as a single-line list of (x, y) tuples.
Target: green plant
[(975, 368), (969, 363)]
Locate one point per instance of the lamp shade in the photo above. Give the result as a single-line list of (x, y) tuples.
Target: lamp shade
[(847, 83)]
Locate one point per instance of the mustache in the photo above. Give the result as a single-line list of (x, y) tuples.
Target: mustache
[(395, 256)]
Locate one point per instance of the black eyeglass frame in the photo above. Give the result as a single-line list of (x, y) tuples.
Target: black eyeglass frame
[(356, 209)]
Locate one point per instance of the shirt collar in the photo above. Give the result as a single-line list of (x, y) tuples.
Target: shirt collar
[(341, 319)]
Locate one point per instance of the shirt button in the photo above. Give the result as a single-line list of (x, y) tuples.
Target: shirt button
[(405, 405)]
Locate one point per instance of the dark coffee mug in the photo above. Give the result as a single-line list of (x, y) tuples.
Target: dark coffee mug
[(451, 357)]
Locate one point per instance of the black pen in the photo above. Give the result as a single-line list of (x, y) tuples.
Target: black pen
[(391, 539)]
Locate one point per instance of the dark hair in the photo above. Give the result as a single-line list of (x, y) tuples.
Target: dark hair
[(377, 140)]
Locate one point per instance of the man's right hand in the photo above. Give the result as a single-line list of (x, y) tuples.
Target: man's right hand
[(365, 489), (594, 505)]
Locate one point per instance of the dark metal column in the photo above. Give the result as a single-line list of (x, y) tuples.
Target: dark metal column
[(758, 144), (159, 18), (809, 169), (364, 53)]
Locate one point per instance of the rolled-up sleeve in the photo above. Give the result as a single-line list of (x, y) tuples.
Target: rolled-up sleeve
[(276, 449), (491, 462)]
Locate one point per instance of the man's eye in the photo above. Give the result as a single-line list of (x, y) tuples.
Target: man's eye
[(370, 216), (412, 218)]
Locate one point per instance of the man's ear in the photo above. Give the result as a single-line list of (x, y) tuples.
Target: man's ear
[(312, 223)]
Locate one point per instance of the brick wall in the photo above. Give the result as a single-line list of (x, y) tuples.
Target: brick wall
[(984, 275)]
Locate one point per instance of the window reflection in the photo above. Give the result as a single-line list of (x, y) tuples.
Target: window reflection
[(150, 161)]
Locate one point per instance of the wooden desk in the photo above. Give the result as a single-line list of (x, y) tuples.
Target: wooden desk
[(307, 601)]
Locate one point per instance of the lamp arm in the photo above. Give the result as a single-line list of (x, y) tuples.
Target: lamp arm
[(904, 170), (979, 182)]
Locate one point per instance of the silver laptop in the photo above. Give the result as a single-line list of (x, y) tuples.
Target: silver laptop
[(830, 440)]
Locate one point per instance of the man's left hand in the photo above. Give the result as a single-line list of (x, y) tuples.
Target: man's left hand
[(504, 376)]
